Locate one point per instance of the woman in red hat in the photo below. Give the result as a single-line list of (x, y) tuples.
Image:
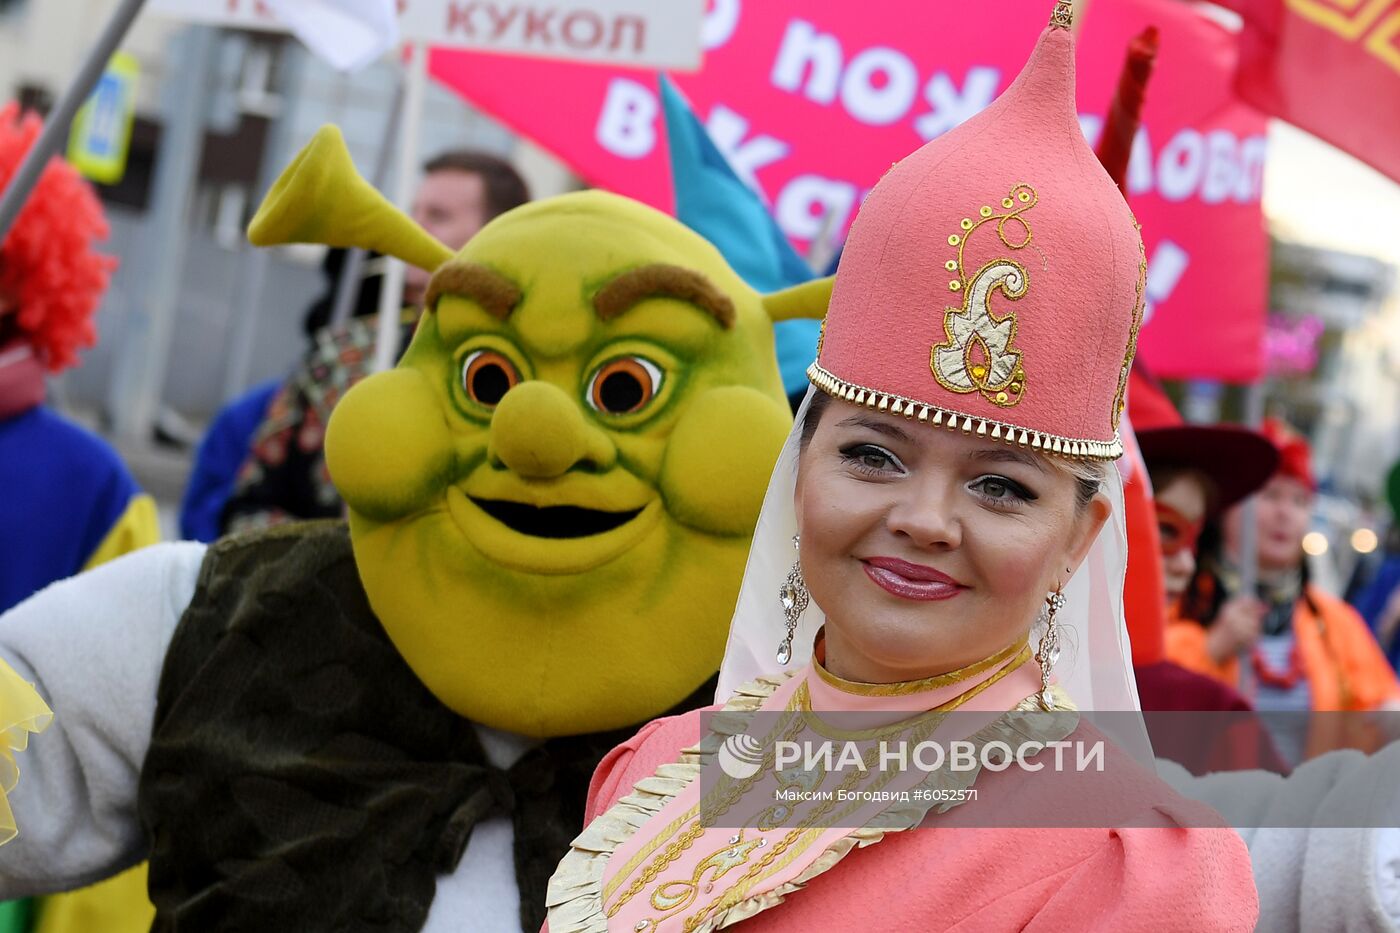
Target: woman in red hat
[(1187, 474), (1307, 649), (1198, 472), (958, 516)]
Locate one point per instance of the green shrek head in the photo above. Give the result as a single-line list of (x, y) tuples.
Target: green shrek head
[(551, 497)]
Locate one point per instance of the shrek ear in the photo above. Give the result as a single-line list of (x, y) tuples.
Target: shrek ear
[(320, 198), (808, 300)]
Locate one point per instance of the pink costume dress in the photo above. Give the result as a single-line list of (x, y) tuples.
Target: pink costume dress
[(1172, 866)]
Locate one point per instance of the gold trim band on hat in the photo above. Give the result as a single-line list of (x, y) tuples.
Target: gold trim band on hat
[(905, 688), (1053, 444), (1063, 14)]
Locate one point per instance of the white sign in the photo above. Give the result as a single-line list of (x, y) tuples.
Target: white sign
[(638, 33), (643, 33)]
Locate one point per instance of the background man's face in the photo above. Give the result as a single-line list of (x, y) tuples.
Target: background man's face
[(451, 205)]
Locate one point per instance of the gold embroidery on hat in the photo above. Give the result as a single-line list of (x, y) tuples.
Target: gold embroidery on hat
[(977, 353)]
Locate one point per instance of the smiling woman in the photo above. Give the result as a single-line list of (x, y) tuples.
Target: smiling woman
[(957, 518), (963, 536)]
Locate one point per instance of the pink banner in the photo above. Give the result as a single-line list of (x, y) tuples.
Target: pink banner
[(812, 102)]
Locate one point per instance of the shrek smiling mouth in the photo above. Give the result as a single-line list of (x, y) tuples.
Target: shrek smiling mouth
[(552, 537), (553, 521)]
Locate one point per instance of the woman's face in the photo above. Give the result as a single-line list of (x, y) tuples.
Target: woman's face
[(927, 549), (1282, 511), (1181, 511)]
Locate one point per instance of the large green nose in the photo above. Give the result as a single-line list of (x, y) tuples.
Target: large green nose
[(539, 432)]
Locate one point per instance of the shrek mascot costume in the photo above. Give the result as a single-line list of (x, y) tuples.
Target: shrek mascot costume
[(389, 723)]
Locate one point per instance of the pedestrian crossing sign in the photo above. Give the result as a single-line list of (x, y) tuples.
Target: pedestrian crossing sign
[(101, 134)]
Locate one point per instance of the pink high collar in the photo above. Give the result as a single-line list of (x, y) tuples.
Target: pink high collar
[(1005, 679)]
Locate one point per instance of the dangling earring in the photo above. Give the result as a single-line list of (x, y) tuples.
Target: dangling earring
[(794, 597), (1048, 651)]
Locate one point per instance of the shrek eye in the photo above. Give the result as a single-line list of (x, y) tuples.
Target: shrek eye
[(487, 376), (625, 385)]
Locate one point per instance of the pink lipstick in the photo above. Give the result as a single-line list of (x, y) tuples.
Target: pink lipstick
[(910, 581)]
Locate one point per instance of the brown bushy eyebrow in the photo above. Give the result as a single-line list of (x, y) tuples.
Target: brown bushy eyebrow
[(893, 431), (495, 293), (660, 280)]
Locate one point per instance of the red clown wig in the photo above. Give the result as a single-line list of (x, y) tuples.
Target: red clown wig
[(47, 261)]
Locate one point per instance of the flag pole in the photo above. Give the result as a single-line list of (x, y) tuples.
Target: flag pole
[(386, 342), (60, 118), (347, 287), (1249, 536)]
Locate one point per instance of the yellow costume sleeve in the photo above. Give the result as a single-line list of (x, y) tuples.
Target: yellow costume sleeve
[(137, 527), (119, 904)]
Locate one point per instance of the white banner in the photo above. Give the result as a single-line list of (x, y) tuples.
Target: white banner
[(638, 33), (236, 14)]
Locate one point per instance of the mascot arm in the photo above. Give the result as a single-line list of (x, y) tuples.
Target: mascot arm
[(94, 646), (1323, 841)]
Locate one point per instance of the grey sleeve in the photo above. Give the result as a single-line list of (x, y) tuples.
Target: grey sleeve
[(1319, 839), (94, 646)]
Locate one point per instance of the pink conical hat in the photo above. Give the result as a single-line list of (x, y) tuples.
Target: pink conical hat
[(992, 282)]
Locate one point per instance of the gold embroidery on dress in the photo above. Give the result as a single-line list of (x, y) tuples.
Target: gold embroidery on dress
[(716, 803), (798, 840), (977, 352), (574, 898), (679, 894)]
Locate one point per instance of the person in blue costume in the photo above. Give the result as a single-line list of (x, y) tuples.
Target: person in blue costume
[(217, 461), (70, 502)]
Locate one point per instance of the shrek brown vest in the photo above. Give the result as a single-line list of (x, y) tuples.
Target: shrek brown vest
[(300, 777)]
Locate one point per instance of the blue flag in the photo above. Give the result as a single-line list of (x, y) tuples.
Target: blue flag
[(712, 201)]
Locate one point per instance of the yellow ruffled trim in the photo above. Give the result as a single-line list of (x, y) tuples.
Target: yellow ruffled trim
[(21, 712), (575, 895)]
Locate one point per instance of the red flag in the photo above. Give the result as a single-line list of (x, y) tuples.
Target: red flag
[(1124, 119), (811, 102), (1331, 67)]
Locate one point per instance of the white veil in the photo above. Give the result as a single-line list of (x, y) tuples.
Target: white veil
[(1095, 664)]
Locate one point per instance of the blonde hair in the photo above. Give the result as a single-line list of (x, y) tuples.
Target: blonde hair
[(1089, 475)]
